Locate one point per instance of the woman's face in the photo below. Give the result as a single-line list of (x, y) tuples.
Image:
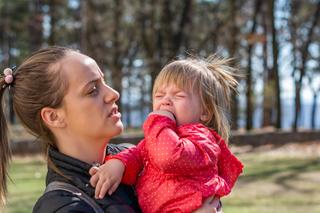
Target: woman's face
[(89, 106)]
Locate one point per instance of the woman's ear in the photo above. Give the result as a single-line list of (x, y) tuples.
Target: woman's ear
[(53, 117)]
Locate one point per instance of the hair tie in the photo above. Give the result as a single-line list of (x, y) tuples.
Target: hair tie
[(8, 77)]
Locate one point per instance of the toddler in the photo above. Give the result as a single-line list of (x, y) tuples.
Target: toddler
[(184, 158)]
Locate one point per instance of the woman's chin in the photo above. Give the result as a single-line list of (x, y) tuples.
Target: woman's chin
[(118, 128)]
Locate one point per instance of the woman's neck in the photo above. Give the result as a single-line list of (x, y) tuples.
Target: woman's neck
[(88, 152)]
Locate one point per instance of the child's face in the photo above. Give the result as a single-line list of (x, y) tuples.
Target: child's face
[(184, 105)]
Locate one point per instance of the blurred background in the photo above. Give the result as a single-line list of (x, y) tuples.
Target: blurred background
[(275, 45)]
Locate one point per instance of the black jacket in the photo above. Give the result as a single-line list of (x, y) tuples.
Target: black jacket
[(122, 200)]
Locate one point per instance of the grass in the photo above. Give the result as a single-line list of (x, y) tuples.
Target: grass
[(27, 184), (273, 182), (276, 183)]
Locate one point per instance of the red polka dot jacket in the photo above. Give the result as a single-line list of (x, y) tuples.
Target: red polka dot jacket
[(175, 168)]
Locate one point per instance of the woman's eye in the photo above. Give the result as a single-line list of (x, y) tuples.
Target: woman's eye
[(93, 91)]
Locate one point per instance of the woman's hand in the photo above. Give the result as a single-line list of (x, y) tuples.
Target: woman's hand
[(107, 177), (210, 205)]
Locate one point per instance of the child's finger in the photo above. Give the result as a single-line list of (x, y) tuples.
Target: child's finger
[(105, 187), (93, 180), (98, 188), (113, 188), (93, 170)]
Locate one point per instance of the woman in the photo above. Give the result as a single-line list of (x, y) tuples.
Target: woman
[(60, 95)]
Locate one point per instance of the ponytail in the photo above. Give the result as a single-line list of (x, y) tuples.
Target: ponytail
[(5, 153)]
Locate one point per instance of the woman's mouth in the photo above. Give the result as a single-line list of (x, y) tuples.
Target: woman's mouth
[(114, 113)]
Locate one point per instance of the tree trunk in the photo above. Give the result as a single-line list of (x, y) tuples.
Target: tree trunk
[(268, 103), (275, 67), (314, 110), (162, 40), (232, 52), (249, 110), (53, 18)]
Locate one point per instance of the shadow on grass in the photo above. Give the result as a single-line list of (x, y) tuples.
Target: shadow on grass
[(293, 174), (291, 167)]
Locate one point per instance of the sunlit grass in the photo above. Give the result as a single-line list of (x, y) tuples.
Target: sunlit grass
[(27, 184), (276, 184)]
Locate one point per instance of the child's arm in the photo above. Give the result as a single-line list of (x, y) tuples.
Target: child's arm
[(173, 153), (106, 178), (123, 167), (133, 162)]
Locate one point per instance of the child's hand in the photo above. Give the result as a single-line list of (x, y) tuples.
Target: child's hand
[(107, 177), (210, 205), (164, 113)]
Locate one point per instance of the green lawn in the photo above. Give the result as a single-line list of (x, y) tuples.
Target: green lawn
[(276, 183), (27, 184), (271, 183)]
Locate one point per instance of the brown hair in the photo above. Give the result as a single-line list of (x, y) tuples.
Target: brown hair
[(38, 83), (212, 79)]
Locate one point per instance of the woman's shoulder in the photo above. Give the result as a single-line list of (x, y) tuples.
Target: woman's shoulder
[(62, 202), (113, 149)]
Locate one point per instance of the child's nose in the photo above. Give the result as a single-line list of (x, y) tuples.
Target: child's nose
[(166, 101)]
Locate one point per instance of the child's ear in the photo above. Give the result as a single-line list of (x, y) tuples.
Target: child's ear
[(52, 117), (204, 117)]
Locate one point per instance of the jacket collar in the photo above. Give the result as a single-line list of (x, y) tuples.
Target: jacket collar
[(74, 171)]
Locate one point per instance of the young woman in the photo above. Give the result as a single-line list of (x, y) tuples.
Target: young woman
[(60, 96)]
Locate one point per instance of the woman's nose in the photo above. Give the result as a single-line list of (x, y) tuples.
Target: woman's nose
[(111, 95)]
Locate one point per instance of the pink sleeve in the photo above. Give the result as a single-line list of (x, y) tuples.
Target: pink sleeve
[(132, 159), (229, 166), (173, 153)]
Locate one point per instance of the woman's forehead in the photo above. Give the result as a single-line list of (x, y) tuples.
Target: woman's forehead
[(80, 68)]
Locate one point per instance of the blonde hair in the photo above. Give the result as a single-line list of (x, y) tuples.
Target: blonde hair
[(38, 83), (212, 79)]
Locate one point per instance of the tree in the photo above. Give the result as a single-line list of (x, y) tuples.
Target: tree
[(249, 105), (268, 77), (275, 66), (109, 36), (233, 44), (303, 50), (162, 27)]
